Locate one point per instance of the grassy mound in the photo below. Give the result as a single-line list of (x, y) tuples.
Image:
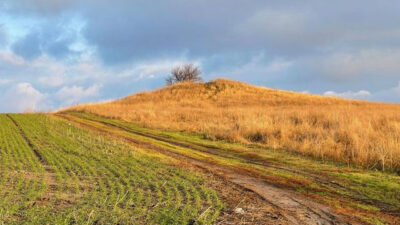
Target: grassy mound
[(354, 132)]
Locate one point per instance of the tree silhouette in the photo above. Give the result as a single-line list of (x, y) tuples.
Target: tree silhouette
[(187, 72)]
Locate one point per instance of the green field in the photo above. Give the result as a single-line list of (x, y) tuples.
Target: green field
[(371, 196), (52, 172), (78, 168)]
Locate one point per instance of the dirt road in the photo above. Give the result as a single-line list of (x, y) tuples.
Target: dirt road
[(294, 207)]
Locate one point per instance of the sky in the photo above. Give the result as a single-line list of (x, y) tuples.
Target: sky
[(56, 53)]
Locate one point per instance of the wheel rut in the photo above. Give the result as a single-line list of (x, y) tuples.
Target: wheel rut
[(49, 176), (249, 159), (296, 208)]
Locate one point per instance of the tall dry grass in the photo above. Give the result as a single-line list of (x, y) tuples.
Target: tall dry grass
[(354, 132)]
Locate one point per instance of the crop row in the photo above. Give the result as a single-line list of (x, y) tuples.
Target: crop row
[(76, 177)]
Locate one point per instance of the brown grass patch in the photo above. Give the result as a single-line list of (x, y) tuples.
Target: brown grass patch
[(354, 132)]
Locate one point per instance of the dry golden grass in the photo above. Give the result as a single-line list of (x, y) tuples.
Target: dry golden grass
[(355, 132)]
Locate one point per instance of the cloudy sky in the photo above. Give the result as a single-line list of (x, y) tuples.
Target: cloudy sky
[(55, 53)]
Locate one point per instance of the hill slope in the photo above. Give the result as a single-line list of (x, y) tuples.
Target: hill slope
[(359, 132)]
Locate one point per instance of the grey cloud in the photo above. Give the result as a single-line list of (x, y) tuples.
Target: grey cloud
[(28, 47), (131, 30), (318, 26), (239, 30), (154, 29), (226, 36), (38, 7), (298, 45), (372, 69), (49, 39)]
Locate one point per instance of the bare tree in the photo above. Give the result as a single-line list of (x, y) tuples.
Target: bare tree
[(187, 72)]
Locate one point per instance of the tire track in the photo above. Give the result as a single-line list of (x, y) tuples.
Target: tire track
[(296, 208), (248, 159), (245, 158), (22, 133), (49, 176)]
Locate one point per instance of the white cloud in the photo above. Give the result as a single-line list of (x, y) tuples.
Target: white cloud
[(74, 94), (51, 72), (22, 97), (388, 95), (70, 82), (11, 58), (51, 81), (362, 94)]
